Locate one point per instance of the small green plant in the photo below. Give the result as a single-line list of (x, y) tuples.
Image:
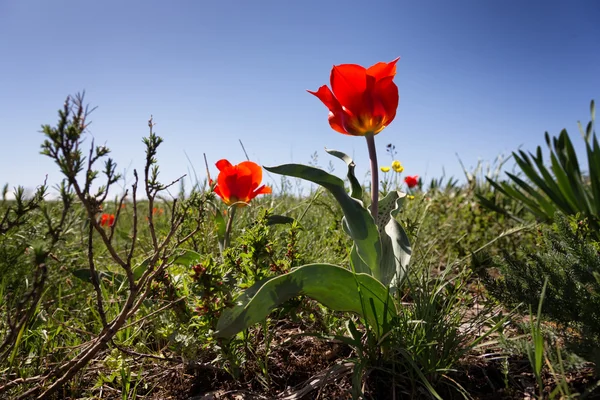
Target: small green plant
[(535, 350)]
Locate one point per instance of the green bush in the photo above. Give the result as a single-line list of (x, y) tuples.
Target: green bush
[(568, 255)]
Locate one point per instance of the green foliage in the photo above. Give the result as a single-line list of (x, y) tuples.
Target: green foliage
[(561, 187), (567, 256)]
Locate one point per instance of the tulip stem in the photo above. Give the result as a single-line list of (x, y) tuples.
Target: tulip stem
[(231, 212), (374, 176)]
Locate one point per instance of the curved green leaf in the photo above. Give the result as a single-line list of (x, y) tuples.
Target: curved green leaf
[(357, 191), (335, 287), (360, 224), (546, 205), (396, 249), (185, 257), (551, 188), (357, 264)]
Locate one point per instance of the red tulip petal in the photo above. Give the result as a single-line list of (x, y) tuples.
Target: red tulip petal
[(240, 183), (220, 193), (335, 108), (370, 105), (223, 164), (264, 189), (386, 93), (382, 69), (368, 114), (225, 183), (348, 83), (255, 172), (326, 96), (336, 122)]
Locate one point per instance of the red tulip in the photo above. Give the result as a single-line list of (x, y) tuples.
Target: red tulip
[(107, 219), (411, 181), (361, 100), (157, 211), (239, 183)]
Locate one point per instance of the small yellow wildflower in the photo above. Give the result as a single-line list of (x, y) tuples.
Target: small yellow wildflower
[(385, 169), (396, 166), (410, 197)]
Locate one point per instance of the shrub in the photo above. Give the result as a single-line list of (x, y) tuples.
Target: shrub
[(566, 254)]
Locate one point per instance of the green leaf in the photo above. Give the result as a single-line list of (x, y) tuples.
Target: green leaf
[(335, 287), (510, 191), (492, 205), (551, 189), (279, 219), (542, 202), (357, 264), (596, 276), (359, 222), (357, 191), (182, 257), (85, 274), (571, 165), (395, 245), (140, 268), (221, 227), (185, 257), (588, 130), (564, 183), (584, 134), (593, 154)]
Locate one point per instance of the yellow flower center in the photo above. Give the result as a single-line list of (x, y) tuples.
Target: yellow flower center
[(363, 124)]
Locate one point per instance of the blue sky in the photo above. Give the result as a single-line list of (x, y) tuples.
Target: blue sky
[(477, 78)]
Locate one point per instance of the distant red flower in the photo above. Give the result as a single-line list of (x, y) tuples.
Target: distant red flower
[(107, 219), (239, 183), (157, 211), (361, 100), (412, 181)]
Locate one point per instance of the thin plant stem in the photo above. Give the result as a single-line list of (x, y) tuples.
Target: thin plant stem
[(228, 226), (243, 148), (374, 175)]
